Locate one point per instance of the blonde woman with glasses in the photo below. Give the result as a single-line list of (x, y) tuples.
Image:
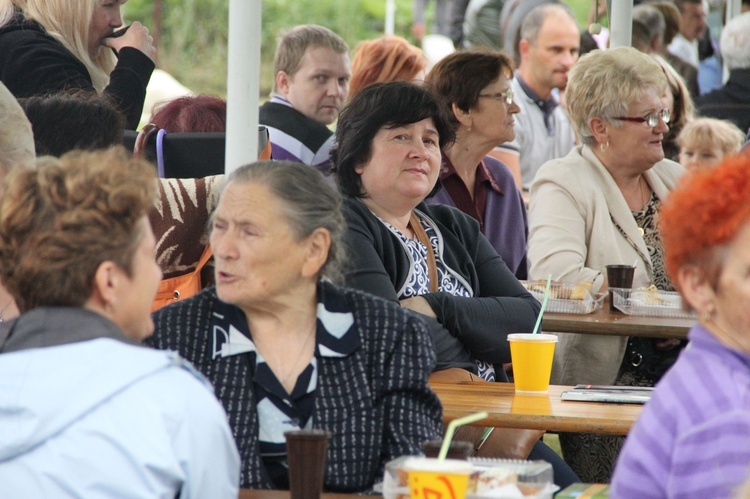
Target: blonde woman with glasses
[(599, 205), (51, 45)]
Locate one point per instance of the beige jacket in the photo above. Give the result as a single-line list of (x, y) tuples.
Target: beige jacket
[(572, 237)]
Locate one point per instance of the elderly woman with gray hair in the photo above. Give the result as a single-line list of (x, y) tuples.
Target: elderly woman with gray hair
[(285, 348), (598, 206)]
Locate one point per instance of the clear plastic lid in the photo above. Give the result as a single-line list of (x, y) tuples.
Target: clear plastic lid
[(490, 478), (566, 297), (650, 302)]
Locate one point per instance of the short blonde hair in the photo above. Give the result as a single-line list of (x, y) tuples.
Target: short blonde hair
[(711, 132), (68, 22), (16, 137), (604, 83), (294, 43)]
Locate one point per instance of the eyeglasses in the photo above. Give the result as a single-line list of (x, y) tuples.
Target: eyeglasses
[(651, 120), (506, 96)]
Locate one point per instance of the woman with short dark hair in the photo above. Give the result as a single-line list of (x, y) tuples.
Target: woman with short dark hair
[(431, 259), (482, 109)]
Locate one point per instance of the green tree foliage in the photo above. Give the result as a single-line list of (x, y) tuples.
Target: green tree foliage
[(193, 44)]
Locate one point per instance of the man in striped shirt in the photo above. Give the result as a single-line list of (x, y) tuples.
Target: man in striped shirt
[(312, 83)]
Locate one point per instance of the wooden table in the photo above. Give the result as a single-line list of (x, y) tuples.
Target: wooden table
[(605, 321), (540, 412), (284, 494)]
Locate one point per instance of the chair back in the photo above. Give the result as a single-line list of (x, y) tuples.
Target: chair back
[(187, 155)]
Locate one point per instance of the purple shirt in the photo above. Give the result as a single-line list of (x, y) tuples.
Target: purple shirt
[(504, 221), (693, 437)]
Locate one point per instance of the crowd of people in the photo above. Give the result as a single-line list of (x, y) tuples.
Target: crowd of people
[(382, 247)]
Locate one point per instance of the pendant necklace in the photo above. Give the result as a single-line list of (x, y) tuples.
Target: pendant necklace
[(2, 311), (299, 357), (640, 191)]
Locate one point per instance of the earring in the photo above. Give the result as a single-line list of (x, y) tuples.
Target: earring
[(708, 314), (604, 146)]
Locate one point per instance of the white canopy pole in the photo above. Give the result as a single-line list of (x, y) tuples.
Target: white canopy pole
[(243, 83), (734, 7), (621, 23), (390, 16)]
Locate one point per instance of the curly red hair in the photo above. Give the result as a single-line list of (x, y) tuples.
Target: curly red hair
[(705, 211)]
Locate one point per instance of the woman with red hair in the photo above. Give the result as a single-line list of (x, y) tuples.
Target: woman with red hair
[(693, 437), (386, 58), (192, 113)]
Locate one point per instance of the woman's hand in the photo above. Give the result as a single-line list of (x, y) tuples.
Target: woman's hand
[(137, 37), (420, 305)]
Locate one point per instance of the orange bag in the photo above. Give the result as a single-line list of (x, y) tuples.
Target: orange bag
[(180, 287)]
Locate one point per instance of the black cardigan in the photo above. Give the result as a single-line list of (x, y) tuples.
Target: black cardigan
[(466, 328), (34, 63)]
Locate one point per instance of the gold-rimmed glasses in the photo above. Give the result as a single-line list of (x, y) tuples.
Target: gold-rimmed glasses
[(506, 96)]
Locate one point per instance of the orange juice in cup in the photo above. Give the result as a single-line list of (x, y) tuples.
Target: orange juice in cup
[(430, 478), (531, 355)]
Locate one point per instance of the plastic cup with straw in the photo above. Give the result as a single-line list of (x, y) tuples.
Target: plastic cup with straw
[(452, 426), (441, 477), (532, 354)]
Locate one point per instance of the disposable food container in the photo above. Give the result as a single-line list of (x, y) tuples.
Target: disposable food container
[(566, 297), (490, 478)]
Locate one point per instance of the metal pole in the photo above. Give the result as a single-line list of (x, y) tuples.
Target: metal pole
[(243, 83), (621, 23)]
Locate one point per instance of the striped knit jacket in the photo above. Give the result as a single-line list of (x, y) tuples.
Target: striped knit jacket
[(375, 401)]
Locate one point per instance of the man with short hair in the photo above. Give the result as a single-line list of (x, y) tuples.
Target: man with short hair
[(550, 41), (312, 83), (692, 29)]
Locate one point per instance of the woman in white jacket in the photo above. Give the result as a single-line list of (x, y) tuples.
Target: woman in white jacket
[(85, 411), (598, 206)]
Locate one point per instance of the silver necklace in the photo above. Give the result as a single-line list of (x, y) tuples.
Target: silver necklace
[(2, 311), (299, 357)]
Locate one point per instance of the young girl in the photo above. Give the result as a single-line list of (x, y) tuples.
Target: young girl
[(704, 142)]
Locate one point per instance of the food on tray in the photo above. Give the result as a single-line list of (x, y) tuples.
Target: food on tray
[(484, 480), (562, 290), (653, 298)]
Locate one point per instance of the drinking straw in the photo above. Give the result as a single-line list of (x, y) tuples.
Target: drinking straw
[(452, 429), (544, 305)]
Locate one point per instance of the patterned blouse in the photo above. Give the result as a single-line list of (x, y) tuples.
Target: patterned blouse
[(648, 220), (418, 282)]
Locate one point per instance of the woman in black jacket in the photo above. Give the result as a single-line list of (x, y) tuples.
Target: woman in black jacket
[(432, 259)]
